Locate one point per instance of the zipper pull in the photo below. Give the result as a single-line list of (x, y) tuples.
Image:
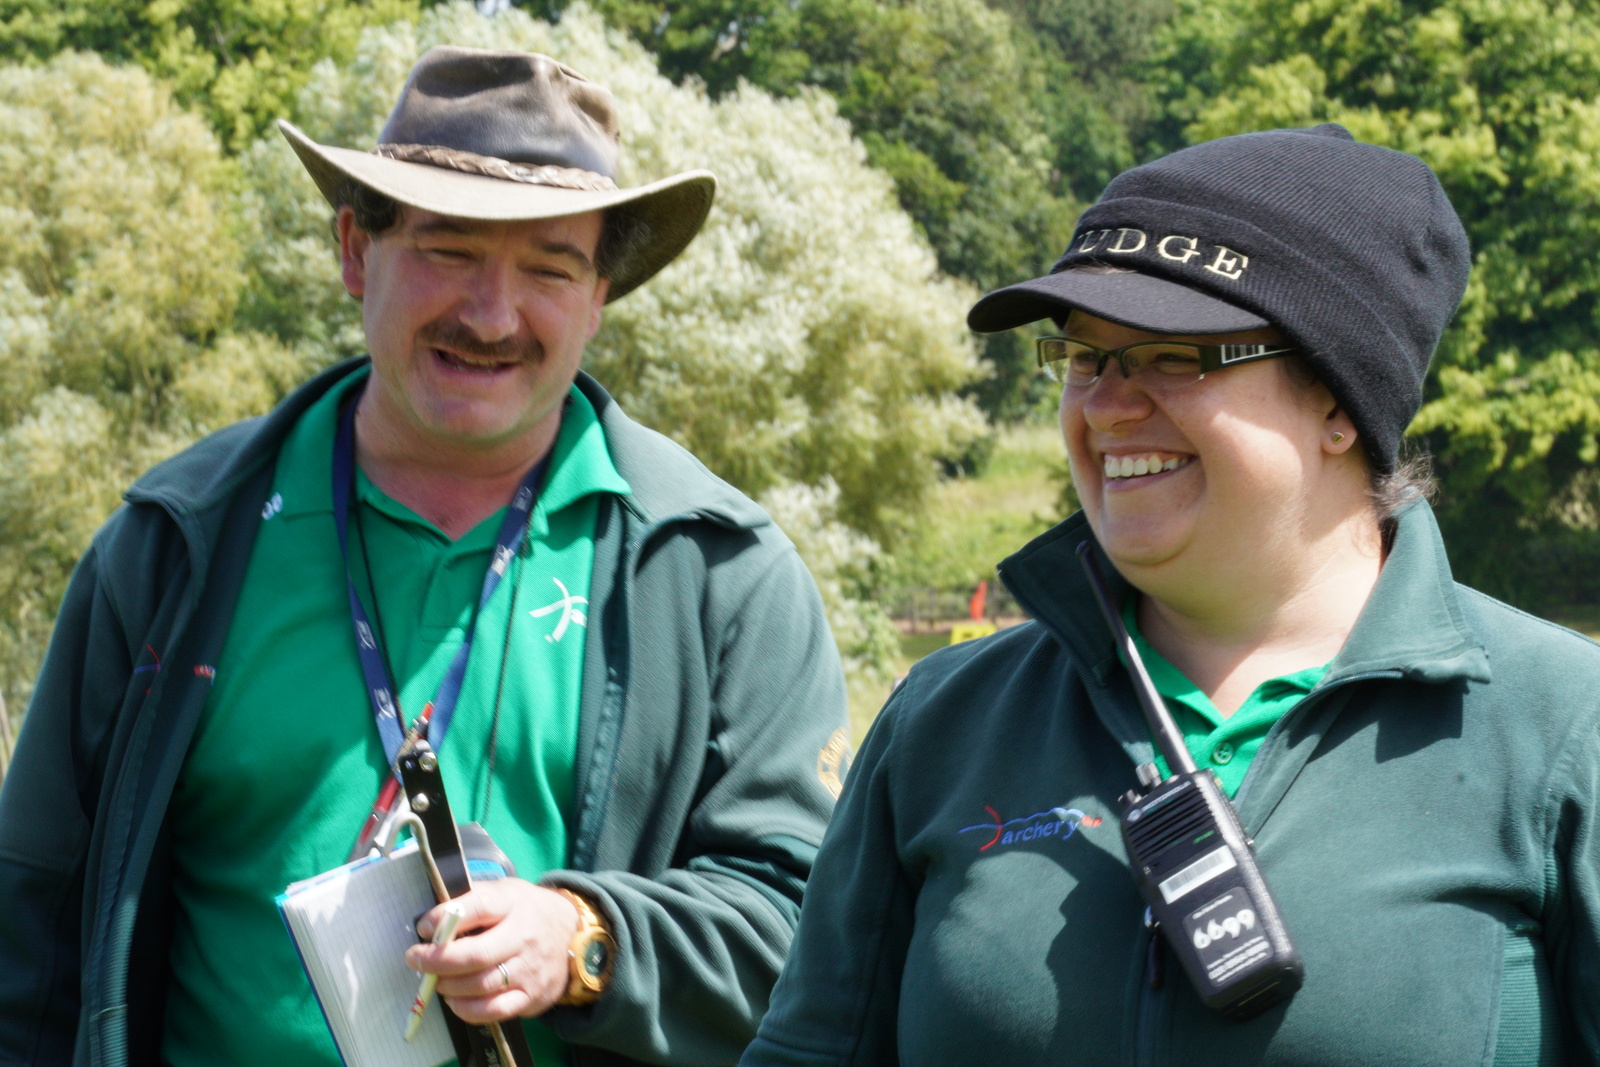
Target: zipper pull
[(1155, 961)]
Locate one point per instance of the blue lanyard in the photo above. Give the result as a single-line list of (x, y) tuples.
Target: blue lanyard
[(381, 692)]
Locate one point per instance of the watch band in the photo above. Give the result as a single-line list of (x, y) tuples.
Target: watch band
[(591, 954)]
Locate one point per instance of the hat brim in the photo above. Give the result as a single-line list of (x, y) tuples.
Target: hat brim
[(1141, 301), (673, 209)]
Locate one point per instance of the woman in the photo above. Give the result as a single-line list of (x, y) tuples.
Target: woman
[(1246, 325)]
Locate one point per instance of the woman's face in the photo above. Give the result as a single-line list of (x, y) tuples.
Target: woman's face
[(1233, 460)]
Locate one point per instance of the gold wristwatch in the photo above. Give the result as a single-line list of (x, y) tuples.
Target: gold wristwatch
[(591, 954)]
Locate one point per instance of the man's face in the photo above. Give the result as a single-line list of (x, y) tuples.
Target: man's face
[(476, 328)]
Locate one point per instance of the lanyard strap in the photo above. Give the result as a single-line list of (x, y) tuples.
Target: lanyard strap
[(381, 691)]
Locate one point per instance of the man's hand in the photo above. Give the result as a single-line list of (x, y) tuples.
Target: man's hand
[(510, 958)]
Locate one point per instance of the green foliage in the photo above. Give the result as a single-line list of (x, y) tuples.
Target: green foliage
[(1099, 108), (118, 275), (954, 99), (240, 61), (1502, 98), (973, 522)]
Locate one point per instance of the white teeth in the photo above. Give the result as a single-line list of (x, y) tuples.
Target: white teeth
[(1133, 466), (470, 361)]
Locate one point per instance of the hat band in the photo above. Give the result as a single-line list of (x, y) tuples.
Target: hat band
[(491, 167)]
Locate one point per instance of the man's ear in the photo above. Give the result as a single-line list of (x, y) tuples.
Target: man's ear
[(353, 245), (601, 288)]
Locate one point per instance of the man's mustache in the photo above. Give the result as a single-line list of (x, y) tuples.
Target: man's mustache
[(454, 336)]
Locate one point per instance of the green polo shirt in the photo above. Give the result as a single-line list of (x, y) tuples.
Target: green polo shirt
[(1225, 745), (287, 760)]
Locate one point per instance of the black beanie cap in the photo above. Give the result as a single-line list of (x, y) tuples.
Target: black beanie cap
[(1352, 250)]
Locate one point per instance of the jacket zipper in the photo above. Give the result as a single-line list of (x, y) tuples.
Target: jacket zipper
[(1150, 993), (1153, 1000), (591, 821)]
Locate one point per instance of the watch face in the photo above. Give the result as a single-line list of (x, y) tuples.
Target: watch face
[(595, 956)]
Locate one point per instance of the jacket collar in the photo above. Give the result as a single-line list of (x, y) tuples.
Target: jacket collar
[(1412, 626), (666, 480)]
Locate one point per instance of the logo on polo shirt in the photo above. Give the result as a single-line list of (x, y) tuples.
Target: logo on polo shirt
[(569, 606), (1125, 241), (273, 506), (1059, 823)]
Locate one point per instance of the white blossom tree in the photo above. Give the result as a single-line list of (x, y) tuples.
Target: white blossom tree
[(119, 275)]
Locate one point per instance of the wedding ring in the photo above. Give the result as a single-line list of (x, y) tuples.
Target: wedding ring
[(505, 976)]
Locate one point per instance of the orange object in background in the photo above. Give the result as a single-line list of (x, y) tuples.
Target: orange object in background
[(979, 598)]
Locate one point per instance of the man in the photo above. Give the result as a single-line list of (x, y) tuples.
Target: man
[(636, 691)]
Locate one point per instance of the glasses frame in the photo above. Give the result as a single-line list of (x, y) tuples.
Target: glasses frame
[(1212, 357)]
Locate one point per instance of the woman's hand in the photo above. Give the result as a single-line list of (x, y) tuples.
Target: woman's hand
[(510, 958)]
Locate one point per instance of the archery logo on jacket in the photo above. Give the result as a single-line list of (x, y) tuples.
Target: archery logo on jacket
[(1053, 823)]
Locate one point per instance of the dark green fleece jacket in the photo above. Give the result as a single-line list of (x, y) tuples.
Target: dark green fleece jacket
[(710, 686), (1426, 818)]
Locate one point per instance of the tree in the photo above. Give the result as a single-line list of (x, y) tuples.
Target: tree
[(1502, 98), (952, 98), (119, 273), (239, 61)]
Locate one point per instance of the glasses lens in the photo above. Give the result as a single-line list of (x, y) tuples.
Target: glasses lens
[(1068, 361), (1164, 364)]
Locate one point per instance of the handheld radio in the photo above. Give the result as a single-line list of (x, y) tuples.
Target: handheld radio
[(1194, 865)]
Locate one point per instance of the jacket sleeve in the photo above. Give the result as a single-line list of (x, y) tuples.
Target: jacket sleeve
[(1572, 924), (46, 810), (838, 1000), (701, 942)]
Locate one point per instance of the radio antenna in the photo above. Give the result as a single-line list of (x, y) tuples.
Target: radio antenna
[(1162, 728)]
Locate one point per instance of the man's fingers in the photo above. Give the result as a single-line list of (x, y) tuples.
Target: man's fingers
[(483, 906), (524, 926), (487, 983), (464, 955)]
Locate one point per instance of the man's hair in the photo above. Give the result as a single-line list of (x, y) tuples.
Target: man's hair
[(621, 233)]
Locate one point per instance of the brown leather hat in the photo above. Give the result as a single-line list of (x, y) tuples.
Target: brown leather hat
[(506, 136)]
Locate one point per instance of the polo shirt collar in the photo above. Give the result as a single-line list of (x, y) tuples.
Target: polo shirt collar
[(580, 463), (1412, 626)]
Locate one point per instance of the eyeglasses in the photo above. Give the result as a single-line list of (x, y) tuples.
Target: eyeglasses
[(1156, 364)]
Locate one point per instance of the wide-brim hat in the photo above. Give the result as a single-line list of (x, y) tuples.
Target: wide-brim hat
[(511, 136)]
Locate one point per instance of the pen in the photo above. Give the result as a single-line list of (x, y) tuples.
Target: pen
[(442, 936)]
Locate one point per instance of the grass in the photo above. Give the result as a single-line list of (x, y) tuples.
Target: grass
[(975, 522), (972, 524)]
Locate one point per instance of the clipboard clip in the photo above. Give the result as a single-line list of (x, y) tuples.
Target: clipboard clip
[(439, 841)]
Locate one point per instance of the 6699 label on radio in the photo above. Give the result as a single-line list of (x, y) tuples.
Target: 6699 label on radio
[(1226, 935)]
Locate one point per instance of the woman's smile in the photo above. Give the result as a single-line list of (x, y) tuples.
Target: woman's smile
[(1137, 467)]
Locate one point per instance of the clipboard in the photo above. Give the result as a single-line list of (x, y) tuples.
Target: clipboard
[(493, 1045)]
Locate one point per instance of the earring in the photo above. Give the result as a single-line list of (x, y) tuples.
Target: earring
[(1337, 437)]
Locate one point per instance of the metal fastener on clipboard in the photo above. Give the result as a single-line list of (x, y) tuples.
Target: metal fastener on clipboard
[(433, 825)]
